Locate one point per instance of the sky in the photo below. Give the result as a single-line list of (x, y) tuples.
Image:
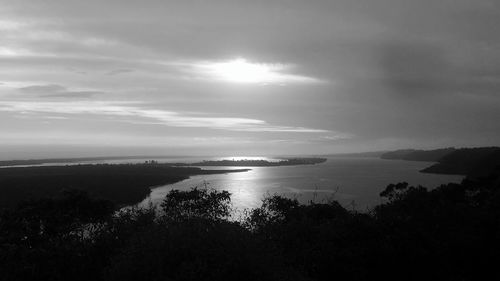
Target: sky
[(285, 77)]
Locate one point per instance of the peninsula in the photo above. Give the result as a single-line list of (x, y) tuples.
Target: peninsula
[(123, 184), (472, 162), (257, 163)]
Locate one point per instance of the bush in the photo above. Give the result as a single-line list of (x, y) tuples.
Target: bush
[(448, 233), (208, 204)]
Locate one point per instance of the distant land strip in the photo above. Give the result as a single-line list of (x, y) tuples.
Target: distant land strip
[(243, 162), (123, 184), (6, 163), (257, 163), (472, 162)]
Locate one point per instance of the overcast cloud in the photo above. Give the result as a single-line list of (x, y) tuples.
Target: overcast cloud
[(247, 77)]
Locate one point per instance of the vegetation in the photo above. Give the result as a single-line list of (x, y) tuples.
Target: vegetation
[(257, 163), (5, 163), (472, 162), (468, 161), (123, 184), (449, 233), (418, 155)]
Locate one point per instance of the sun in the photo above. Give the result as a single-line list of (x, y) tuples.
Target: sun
[(242, 71)]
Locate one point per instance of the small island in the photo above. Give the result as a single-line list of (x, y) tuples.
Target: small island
[(257, 163)]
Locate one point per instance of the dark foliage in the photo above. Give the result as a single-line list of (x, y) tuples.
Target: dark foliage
[(51, 239), (471, 162), (197, 203), (123, 184), (474, 162), (196, 249), (451, 232), (418, 155)]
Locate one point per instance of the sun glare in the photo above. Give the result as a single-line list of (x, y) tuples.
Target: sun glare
[(242, 71)]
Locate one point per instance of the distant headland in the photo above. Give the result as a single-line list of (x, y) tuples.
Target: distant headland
[(78, 160), (473, 162), (225, 162), (123, 184), (257, 163)]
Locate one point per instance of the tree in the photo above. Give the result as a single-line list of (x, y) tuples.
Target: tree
[(207, 204)]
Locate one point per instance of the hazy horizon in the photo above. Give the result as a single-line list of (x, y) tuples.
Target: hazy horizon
[(285, 77), (106, 153)]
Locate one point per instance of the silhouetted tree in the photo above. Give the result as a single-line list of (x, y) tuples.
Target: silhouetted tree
[(451, 232), (197, 203)]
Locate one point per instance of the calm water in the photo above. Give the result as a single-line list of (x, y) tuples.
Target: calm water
[(346, 179)]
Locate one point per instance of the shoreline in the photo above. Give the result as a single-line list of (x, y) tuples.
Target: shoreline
[(123, 184)]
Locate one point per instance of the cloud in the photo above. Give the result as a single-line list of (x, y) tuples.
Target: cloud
[(119, 71), (57, 91), (160, 117), (241, 70), (74, 94), (403, 69), (415, 68), (336, 137), (37, 89)]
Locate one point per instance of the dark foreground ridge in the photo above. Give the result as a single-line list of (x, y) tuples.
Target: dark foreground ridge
[(257, 163), (123, 184), (451, 232)]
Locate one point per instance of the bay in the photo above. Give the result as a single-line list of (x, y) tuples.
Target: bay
[(355, 182)]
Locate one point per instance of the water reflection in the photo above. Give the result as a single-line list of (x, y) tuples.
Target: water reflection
[(347, 180)]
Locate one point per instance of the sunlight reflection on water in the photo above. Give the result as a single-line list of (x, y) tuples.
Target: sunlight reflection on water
[(347, 180)]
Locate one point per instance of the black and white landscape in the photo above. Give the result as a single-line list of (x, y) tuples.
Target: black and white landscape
[(249, 140)]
